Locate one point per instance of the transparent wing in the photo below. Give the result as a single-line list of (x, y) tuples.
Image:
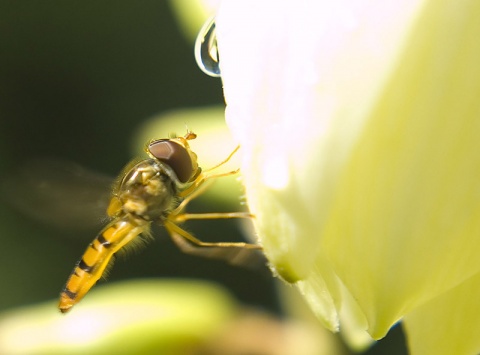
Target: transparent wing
[(58, 192)]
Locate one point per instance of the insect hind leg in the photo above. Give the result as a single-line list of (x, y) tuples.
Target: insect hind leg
[(179, 218), (174, 230), (238, 254)]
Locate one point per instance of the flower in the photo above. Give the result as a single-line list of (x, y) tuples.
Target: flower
[(360, 134)]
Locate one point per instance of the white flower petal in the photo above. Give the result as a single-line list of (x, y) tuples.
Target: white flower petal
[(359, 127)]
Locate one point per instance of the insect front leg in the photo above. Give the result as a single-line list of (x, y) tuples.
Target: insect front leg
[(203, 180)]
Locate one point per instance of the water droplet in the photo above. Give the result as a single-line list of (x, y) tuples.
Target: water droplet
[(206, 51)]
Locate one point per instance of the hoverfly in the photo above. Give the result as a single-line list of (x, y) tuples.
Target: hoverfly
[(156, 189)]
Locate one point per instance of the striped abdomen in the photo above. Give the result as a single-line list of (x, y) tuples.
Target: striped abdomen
[(96, 258)]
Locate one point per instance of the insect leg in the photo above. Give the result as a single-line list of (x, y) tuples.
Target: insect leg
[(224, 161), (198, 183), (216, 215), (174, 229), (205, 175)]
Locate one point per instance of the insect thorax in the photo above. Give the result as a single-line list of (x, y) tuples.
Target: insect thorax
[(147, 191)]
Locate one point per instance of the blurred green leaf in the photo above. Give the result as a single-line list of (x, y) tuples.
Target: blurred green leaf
[(143, 316)]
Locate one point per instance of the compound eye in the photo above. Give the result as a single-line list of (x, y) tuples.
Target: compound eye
[(175, 156)]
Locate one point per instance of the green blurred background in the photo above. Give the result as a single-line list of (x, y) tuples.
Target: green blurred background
[(77, 79)]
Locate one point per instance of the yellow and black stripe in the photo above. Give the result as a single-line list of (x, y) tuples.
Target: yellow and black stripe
[(94, 261)]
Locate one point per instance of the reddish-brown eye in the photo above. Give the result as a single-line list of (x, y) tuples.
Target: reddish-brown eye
[(175, 156)]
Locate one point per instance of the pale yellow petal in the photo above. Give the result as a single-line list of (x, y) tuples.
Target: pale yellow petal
[(321, 290), (333, 304), (299, 77), (405, 223), (354, 326), (360, 133), (449, 324)]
